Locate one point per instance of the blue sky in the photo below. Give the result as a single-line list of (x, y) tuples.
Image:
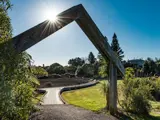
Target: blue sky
[(136, 23)]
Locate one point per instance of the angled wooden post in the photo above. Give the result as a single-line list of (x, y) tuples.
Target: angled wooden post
[(77, 13), (112, 88)]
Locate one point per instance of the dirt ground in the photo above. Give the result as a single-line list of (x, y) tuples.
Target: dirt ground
[(67, 112)]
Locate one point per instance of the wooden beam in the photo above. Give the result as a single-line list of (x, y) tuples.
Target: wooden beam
[(39, 32), (78, 13), (96, 37), (112, 88)]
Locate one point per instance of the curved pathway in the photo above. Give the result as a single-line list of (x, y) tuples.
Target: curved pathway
[(52, 96), (48, 111)]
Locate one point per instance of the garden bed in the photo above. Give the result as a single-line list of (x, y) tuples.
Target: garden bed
[(60, 82)]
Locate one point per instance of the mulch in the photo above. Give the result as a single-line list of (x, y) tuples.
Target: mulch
[(60, 82)]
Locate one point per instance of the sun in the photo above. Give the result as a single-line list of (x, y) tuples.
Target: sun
[(51, 16)]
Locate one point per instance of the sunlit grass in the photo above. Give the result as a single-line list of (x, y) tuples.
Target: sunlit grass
[(92, 99), (88, 98)]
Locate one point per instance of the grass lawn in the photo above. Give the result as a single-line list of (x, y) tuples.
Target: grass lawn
[(88, 98), (92, 99)]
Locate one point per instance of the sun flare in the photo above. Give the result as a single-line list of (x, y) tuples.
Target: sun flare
[(51, 16)]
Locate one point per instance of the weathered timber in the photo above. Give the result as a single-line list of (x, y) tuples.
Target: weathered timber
[(77, 13), (112, 88), (39, 32)]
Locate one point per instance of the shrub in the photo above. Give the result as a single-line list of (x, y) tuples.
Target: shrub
[(55, 76), (156, 88), (17, 85), (68, 75), (158, 85), (129, 73), (137, 93), (136, 96)]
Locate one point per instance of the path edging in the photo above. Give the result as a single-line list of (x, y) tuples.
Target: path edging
[(75, 87)]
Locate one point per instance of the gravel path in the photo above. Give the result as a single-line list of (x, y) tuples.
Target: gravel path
[(67, 112), (52, 96)]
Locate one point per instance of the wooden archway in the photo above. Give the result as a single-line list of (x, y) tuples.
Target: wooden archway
[(78, 14)]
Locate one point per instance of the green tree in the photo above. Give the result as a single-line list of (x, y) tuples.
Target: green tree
[(103, 66), (157, 66), (76, 62), (86, 70), (146, 68), (17, 84), (39, 71), (116, 47), (96, 67), (129, 73), (103, 72), (70, 69), (91, 58), (149, 67), (56, 68), (46, 68), (79, 72)]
